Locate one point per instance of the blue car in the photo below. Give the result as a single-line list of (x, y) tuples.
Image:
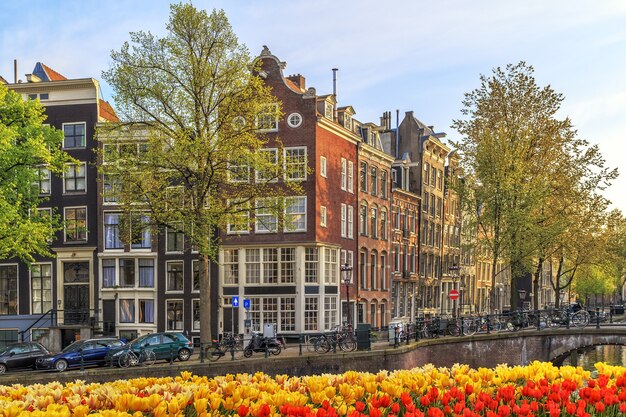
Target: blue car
[(88, 352)]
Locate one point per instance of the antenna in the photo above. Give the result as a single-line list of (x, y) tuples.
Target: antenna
[(335, 92)]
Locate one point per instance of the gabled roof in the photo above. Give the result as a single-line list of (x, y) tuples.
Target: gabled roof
[(2, 80), (45, 73), (106, 111)]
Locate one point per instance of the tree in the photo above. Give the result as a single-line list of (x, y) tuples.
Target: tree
[(520, 159), (29, 152), (194, 102)]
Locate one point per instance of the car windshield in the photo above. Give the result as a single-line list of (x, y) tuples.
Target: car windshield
[(73, 347), (4, 350)]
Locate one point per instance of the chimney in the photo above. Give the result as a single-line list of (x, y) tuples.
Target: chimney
[(335, 92), (15, 71), (298, 80)]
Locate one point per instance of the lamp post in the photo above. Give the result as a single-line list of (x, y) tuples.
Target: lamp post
[(522, 296), (346, 270)]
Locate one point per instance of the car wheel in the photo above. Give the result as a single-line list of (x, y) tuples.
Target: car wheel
[(3, 368), (61, 365), (184, 355)]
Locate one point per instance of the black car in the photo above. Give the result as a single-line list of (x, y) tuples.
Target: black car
[(86, 352), (21, 356)]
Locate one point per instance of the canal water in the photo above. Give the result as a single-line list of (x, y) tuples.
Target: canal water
[(610, 354)]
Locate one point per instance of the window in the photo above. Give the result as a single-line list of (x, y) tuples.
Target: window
[(239, 171), (267, 171), (330, 312), (295, 164), (110, 185), (231, 266), (350, 177), (146, 273), (295, 214), (433, 176), (383, 271), (439, 179), (425, 200), (432, 204), (294, 120), (322, 216), (373, 270), (383, 224), (266, 217), (146, 311), (363, 220), (374, 180), (108, 273), (127, 311), (74, 178), (330, 266), (328, 110), (42, 183), (7, 337), (311, 265), (174, 239), (239, 219), (127, 272), (350, 222), (75, 224), (311, 309), (347, 121), (374, 222), (343, 220), (140, 232), (396, 258), (175, 277), (363, 177), (323, 166), (363, 268), (439, 202), (253, 266), (344, 174), (287, 312), (112, 231), (174, 310), (41, 288), (195, 314), (383, 184), (74, 135), (426, 173), (268, 118)]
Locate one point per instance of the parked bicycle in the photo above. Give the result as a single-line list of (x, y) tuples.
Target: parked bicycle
[(342, 338), (563, 316), (228, 344), (146, 357)]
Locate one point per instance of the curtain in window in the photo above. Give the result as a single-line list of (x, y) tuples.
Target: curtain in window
[(108, 273), (112, 231), (146, 311), (127, 311), (146, 273)]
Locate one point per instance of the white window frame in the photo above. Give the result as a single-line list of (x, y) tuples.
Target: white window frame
[(84, 145), (167, 277), (344, 174), (229, 226), (32, 291), (344, 217), (274, 175), (260, 212), (286, 163), (272, 124), (167, 232), (44, 176), (323, 166), (195, 328), (104, 234), (182, 311), (65, 224), (350, 222), (328, 110), (84, 166), (294, 123), (350, 177), (304, 214), (232, 166), (323, 215)]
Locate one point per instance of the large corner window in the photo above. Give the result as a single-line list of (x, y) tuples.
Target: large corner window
[(295, 214), (8, 289), (41, 288)]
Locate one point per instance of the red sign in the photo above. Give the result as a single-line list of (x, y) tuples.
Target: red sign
[(453, 294)]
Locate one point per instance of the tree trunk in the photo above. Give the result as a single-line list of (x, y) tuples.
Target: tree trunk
[(494, 291), (206, 333)]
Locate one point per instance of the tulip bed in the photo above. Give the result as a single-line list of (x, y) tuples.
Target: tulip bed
[(538, 389)]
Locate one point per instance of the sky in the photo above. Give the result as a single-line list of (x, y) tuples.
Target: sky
[(411, 55)]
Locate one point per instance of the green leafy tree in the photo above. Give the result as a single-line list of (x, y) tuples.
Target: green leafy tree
[(27, 148), (189, 147), (519, 159)]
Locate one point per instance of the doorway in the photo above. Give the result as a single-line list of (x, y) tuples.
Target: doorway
[(76, 292)]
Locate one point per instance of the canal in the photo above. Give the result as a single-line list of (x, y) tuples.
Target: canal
[(610, 354)]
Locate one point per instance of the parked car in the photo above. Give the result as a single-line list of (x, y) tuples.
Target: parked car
[(88, 352), (164, 345), (21, 356)]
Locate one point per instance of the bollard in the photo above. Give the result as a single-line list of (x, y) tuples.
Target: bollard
[(267, 352), (395, 337), (597, 318), (567, 315), (538, 320), (611, 316), (300, 345), (201, 352), (488, 319), (232, 351), (461, 323), (171, 355), (335, 342)]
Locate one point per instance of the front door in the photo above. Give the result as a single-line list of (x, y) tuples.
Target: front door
[(76, 292), (231, 320), (108, 317)]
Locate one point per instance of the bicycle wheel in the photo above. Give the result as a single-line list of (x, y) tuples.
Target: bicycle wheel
[(453, 328), (469, 327), (322, 345), (311, 342), (274, 349), (347, 344), (149, 358), (124, 360), (580, 318)]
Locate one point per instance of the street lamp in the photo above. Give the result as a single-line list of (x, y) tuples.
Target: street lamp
[(346, 270), (522, 297)]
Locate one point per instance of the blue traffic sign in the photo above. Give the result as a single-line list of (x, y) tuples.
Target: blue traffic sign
[(246, 303), (235, 301)]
